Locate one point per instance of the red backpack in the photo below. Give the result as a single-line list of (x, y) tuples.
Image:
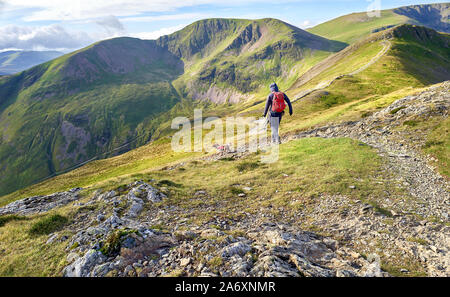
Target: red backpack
[(278, 104)]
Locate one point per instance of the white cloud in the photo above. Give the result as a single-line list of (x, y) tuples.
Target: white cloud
[(10, 49), (158, 33), (42, 38), (305, 24), (55, 37), (109, 15), (111, 25), (166, 17), (51, 10)]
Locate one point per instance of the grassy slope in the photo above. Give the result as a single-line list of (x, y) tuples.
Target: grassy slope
[(389, 79), (338, 162), (353, 27), (438, 145), (110, 104), (219, 52), (107, 107), (347, 99), (312, 166)]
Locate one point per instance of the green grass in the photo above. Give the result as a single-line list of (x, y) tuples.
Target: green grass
[(395, 110), (348, 99), (231, 66), (9, 218), (111, 247), (23, 247), (236, 191), (438, 144), (433, 132), (418, 240), (307, 168), (247, 166), (99, 173), (48, 224), (353, 27), (110, 109), (169, 183)]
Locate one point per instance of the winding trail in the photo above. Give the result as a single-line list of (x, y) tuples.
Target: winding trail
[(419, 227), (325, 84)]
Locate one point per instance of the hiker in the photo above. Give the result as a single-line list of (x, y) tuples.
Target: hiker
[(276, 101)]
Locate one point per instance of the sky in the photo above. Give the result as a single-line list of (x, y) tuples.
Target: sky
[(67, 25)]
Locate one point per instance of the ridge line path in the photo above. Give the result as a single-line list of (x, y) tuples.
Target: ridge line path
[(411, 168), (325, 84), (420, 228)]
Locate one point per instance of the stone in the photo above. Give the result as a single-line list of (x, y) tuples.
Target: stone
[(51, 238), (306, 268), (136, 208), (185, 262), (211, 233), (101, 270), (83, 266), (237, 248), (72, 257), (186, 235), (40, 204), (275, 237)]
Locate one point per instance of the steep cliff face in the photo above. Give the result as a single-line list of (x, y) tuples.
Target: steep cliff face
[(227, 59), (435, 16), (423, 52)]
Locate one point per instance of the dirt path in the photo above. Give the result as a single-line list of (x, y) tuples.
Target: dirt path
[(325, 84), (419, 229), (403, 160), (426, 240)]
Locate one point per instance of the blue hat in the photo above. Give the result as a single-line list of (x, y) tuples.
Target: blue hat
[(274, 87)]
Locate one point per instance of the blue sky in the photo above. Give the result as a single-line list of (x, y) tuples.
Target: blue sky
[(68, 24)]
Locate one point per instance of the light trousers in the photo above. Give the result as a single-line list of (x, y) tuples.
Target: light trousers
[(275, 126)]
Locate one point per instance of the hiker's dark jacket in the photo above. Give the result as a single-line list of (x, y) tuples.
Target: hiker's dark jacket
[(269, 106)]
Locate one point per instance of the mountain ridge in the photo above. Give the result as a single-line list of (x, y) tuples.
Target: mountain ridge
[(12, 62), (139, 83), (94, 100), (220, 62), (351, 28)]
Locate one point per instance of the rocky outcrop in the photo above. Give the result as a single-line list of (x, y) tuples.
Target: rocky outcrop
[(40, 204), (125, 243), (269, 250)]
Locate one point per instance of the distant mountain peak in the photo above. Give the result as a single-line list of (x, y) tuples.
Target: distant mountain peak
[(356, 26), (15, 61)]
